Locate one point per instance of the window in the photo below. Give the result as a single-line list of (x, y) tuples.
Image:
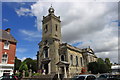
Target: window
[(4, 58), (81, 78), (45, 42), (62, 58), (90, 78), (46, 28), (6, 45), (81, 61), (71, 59), (76, 61), (56, 27), (45, 52)]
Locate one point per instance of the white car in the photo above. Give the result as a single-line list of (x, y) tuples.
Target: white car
[(84, 77)]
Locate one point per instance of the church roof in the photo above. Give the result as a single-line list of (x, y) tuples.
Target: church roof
[(7, 36), (84, 50), (71, 47)]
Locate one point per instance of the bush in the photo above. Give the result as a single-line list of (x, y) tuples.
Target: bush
[(36, 74)]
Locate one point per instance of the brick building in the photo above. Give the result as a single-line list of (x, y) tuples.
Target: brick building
[(7, 52)]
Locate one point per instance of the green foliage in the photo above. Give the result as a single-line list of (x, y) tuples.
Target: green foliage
[(28, 63), (100, 66), (93, 67), (23, 66), (32, 64), (36, 74), (17, 74), (17, 63), (26, 73), (108, 64)]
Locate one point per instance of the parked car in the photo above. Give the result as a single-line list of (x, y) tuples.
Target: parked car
[(8, 77), (107, 77), (84, 77)]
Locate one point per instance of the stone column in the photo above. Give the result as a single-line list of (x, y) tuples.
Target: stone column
[(30, 73), (65, 73), (23, 74), (58, 74), (49, 67)]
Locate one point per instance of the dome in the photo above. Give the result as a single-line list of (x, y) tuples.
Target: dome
[(51, 10)]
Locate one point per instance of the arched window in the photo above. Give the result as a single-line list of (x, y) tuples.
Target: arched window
[(45, 52), (56, 27), (6, 45), (71, 59), (62, 58), (76, 61), (46, 28), (81, 61), (4, 58)]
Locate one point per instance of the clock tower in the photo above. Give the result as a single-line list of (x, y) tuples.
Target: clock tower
[(48, 54), (51, 26)]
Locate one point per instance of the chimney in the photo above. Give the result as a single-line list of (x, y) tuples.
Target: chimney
[(8, 30)]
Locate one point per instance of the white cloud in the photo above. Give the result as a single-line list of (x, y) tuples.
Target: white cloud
[(22, 59), (5, 20), (24, 12), (34, 57), (30, 35), (21, 50), (87, 22)]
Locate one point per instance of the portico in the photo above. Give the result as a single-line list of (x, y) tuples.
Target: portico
[(63, 69)]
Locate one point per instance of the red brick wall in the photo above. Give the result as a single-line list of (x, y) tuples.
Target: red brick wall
[(11, 52), (0, 50)]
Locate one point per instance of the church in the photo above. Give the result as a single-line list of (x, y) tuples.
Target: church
[(57, 58)]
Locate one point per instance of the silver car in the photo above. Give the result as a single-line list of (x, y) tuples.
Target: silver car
[(84, 77)]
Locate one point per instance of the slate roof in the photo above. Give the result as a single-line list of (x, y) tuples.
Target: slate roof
[(4, 35)]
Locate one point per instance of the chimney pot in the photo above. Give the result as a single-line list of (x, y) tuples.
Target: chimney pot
[(8, 30)]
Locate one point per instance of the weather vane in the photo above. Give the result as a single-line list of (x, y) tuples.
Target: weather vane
[(51, 5)]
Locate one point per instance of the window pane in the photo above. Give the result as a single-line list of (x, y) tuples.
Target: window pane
[(6, 45), (76, 60), (4, 58), (71, 59)]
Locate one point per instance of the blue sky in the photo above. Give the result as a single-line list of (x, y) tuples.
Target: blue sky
[(83, 24), (23, 28), (27, 45)]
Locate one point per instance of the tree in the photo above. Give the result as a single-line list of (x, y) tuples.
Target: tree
[(32, 64), (17, 64), (107, 61), (100, 66), (23, 66), (93, 67)]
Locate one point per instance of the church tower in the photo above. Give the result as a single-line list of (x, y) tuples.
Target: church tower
[(48, 54), (51, 26)]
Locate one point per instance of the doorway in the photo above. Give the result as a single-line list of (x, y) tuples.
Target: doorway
[(46, 68)]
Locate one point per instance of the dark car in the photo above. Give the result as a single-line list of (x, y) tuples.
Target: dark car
[(107, 77), (8, 77)]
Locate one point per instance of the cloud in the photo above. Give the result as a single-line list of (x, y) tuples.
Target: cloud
[(5, 20), (24, 12), (92, 23), (22, 59), (30, 35), (34, 57), (21, 50)]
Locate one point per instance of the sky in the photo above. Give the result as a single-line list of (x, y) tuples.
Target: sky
[(84, 24)]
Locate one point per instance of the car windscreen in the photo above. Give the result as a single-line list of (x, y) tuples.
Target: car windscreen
[(81, 78)]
